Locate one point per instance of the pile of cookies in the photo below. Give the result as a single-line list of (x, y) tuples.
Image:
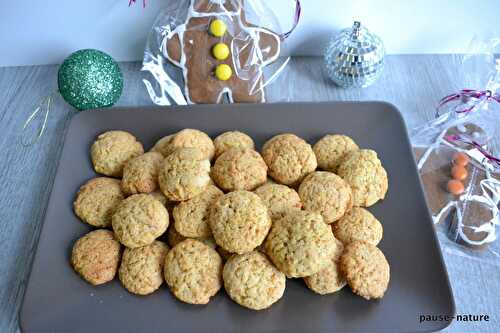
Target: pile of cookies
[(226, 223)]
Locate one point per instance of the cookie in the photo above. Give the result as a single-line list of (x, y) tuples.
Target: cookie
[(364, 172), (95, 256), (169, 205), (141, 269), (278, 199), (252, 281), (162, 146), (139, 220), (187, 138), (112, 150), (366, 269), (193, 271), (185, 173), (239, 221), (300, 244), (358, 225), (331, 149), (140, 174), (329, 279), (239, 169), (175, 238), (326, 193), (210, 75), (97, 200), (191, 216), (289, 158), (232, 139)]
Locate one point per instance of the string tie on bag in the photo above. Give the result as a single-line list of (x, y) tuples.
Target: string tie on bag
[(472, 99)]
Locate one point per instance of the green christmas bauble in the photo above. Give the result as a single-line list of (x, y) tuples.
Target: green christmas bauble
[(90, 79)]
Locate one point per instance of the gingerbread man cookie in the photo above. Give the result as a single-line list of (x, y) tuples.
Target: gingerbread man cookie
[(220, 53)]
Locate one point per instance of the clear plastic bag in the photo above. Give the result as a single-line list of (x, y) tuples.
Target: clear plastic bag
[(466, 122), (187, 68)]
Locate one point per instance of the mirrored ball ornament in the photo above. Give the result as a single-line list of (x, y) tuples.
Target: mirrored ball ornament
[(355, 57), (90, 79)]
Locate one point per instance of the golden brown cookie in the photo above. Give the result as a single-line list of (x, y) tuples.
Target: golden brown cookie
[(139, 220), (289, 158), (366, 269), (239, 221), (185, 173), (358, 224), (97, 200), (364, 172), (300, 244), (174, 238), (232, 139), (112, 150), (326, 193), (191, 216), (162, 146), (140, 174), (331, 149), (141, 269), (193, 271), (96, 256), (252, 281), (239, 169), (278, 199), (329, 279), (187, 138)]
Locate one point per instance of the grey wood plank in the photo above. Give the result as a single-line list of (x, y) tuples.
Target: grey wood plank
[(413, 83)]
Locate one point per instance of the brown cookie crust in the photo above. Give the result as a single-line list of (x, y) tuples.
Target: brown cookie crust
[(239, 169), (366, 269), (140, 174), (193, 271), (112, 150), (96, 256), (326, 193), (300, 244), (239, 221), (289, 158), (139, 220), (97, 200)]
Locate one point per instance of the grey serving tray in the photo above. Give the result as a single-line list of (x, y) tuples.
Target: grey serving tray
[(57, 300)]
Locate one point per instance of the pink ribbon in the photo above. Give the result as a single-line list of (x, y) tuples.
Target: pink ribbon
[(133, 2), (296, 19), (478, 97), (472, 98), (454, 138)]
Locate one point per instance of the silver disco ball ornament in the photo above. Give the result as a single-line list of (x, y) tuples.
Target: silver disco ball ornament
[(355, 57)]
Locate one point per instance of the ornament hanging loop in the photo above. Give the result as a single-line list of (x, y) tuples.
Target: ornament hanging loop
[(43, 109)]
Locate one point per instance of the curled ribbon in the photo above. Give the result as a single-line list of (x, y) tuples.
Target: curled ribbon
[(475, 144), (133, 2), (472, 98), (296, 19)]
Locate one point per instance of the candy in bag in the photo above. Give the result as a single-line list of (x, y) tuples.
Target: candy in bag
[(457, 158)]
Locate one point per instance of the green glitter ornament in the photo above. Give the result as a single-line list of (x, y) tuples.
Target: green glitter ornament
[(90, 79)]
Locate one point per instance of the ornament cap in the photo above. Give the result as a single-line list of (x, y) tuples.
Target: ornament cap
[(356, 29)]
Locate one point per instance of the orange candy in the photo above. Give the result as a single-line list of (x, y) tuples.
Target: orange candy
[(455, 187), (459, 172), (461, 159)]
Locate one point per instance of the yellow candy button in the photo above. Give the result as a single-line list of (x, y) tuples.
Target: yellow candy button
[(220, 51), (218, 28), (223, 72)]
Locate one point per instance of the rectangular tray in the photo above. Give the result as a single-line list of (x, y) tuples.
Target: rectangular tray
[(57, 300)]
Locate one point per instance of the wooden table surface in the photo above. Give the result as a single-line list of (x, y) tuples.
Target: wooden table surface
[(413, 83)]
